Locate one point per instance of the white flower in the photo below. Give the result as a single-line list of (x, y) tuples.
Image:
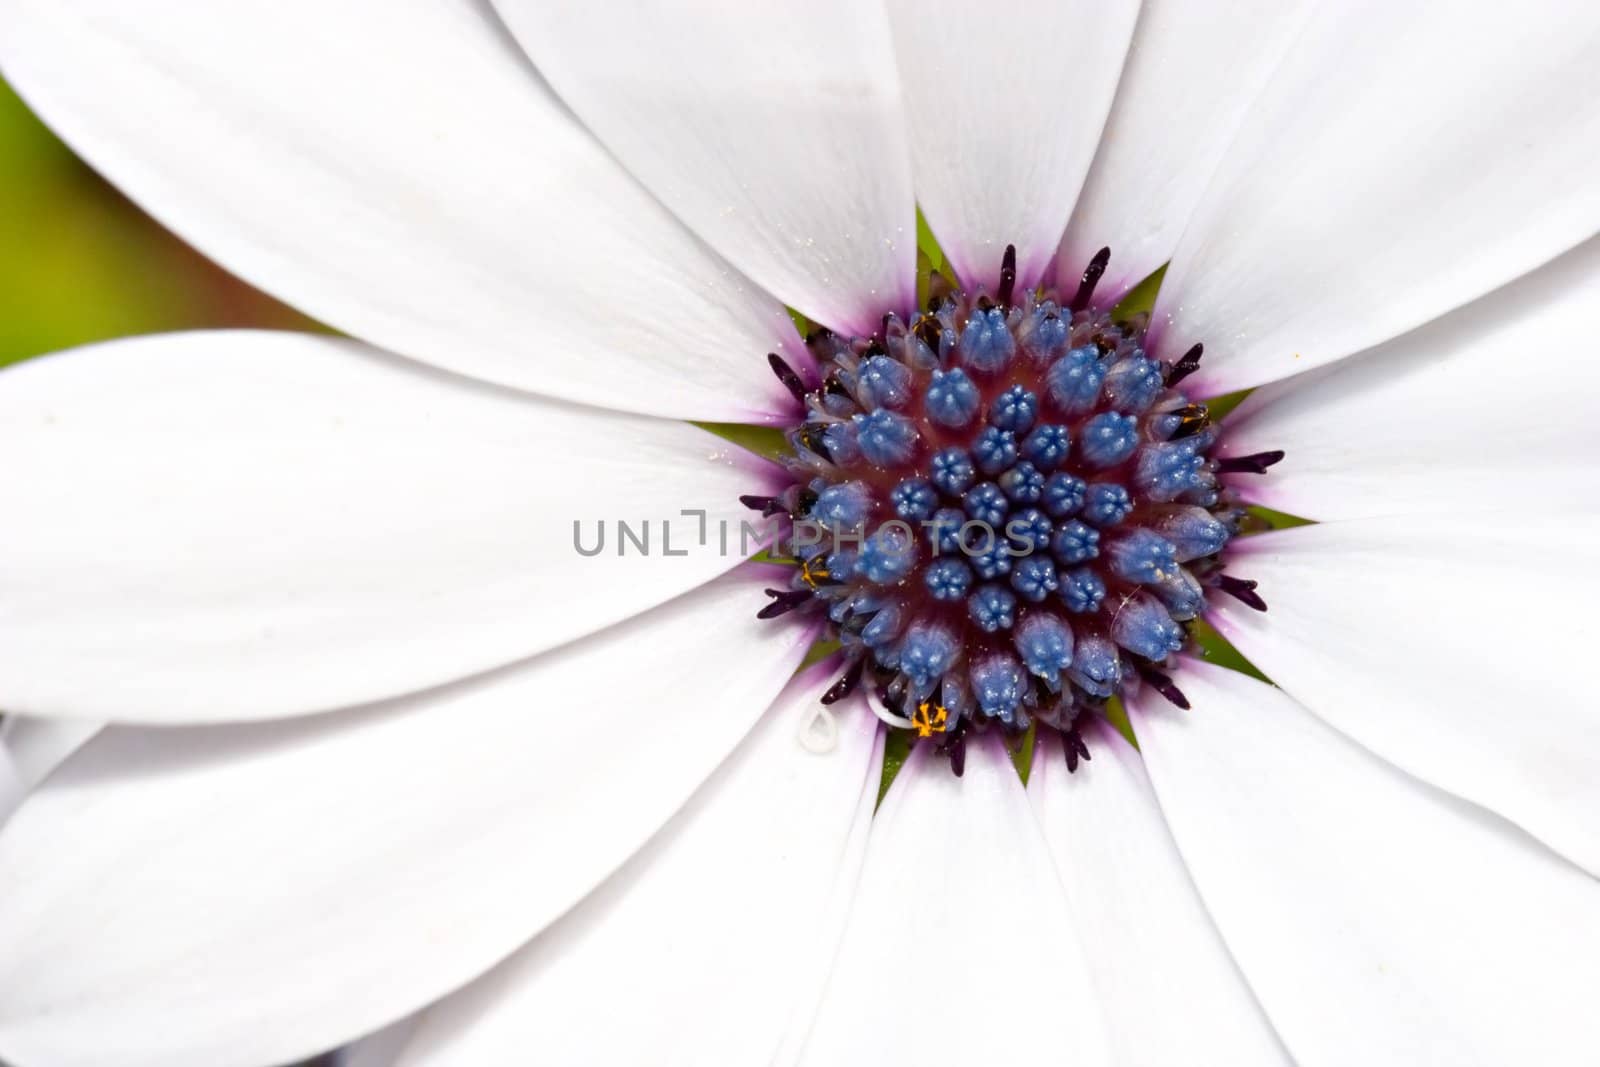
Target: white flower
[(382, 743)]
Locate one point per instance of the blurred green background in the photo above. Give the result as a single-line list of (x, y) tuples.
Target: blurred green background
[(79, 263)]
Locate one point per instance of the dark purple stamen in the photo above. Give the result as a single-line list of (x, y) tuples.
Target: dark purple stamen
[(783, 602), (1074, 748), (1008, 276), (956, 750), (1242, 590), (1185, 366), (1162, 684), (791, 381), (812, 437), (1091, 278), (846, 684), (1256, 463), (767, 505), (1194, 418)]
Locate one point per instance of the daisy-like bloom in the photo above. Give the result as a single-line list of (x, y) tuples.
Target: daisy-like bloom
[(328, 717)]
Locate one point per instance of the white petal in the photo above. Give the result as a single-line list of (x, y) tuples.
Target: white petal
[(1167, 982), (1191, 73), (1490, 408), (38, 746), (960, 948), (1379, 921), (244, 525), (250, 894), (12, 789), (403, 175), (1453, 647), (382, 1049), (1403, 160), (1005, 103), (773, 129), (714, 934)]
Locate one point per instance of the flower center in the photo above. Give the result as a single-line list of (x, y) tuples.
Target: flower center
[(1007, 510)]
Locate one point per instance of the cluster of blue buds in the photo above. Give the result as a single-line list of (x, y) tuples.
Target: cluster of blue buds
[(1007, 510)]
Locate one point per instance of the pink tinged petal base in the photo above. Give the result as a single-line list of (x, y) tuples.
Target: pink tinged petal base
[(960, 948), (254, 894), (702, 947), (1489, 409), (249, 525), (1452, 647), (1191, 74), (1379, 920), (774, 130), (404, 176), (1172, 993), (1004, 104), (1403, 160)]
